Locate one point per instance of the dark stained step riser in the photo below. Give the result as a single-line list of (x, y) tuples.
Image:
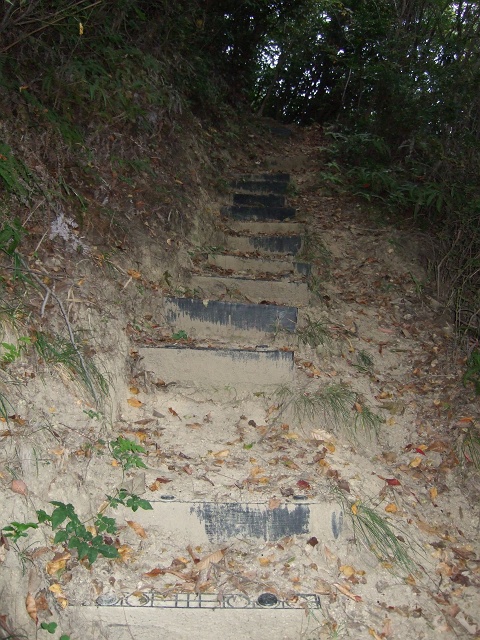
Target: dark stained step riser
[(260, 200), (279, 292), (228, 320), (278, 176), (286, 245), (202, 368), (243, 212), (260, 186), (255, 265)]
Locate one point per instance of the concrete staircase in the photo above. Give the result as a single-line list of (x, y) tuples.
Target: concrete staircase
[(239, 327)]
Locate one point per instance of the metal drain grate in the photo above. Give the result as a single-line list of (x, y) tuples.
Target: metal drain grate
[(208, 601)]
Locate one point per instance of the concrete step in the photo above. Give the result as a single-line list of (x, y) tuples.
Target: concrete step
[(269, 245), (203, 367), (244, 212), (222, 523), (197, 617), (258, 265), (259, 199), (267, 228), (289, 292), (228, 320)]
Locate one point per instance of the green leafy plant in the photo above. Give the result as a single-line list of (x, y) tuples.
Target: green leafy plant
[(75, 534), (51, 627), (472, 373), (126, 452), (14, 351), (10, 235)]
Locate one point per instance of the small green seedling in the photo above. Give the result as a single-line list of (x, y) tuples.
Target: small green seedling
[(129, 500), (17, 530), (51, 627), (126, 452), (180, 335)]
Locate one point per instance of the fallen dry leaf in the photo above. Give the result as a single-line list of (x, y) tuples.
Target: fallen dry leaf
[(134, 402), (57, 564), (347, 570), (31, 607), (139, 530), (391, 508), (433, 491), (19, 486), (173, 412), (416, 462), (134, 274), (125, 552), (134, 390), (154, 573), (346, 592), (212, 558), (274, 503)]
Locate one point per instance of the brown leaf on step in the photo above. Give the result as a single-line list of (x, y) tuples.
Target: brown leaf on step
[(344, 485), (313, 541), (391, 508), (174, 413), (143, 421), (134, 402), (134, 390), (154, 573), (31, 607), (194, 425), (139, 530), (212, 558), (374, 634), (188, 469), (323, 588), (433, 491), (19, 486), (274, 503), (358, 407)]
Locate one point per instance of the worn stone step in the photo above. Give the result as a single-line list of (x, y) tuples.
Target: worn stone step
[(258, 265), (259, 199), (273, 228), (244, 212), (228, 320), (279, 244), (283, 291), (199, 617), (203, 367)]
